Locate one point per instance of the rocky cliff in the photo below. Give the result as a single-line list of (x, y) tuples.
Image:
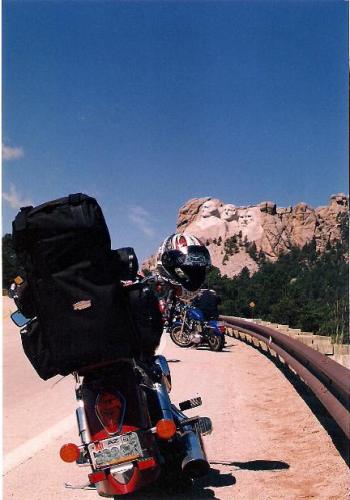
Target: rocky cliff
[(240, 236)]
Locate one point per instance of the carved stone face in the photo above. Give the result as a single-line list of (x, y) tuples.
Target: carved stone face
[(228, 212), (210, 208), (302, 212), (249, 223), (245, 218)]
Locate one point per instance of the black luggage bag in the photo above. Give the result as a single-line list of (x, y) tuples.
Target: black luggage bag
[(76, 294), (146, 315)]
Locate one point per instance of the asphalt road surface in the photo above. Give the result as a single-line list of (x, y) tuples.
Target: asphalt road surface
[(267, 443)]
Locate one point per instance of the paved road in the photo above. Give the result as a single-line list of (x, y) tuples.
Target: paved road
[(266, 444)]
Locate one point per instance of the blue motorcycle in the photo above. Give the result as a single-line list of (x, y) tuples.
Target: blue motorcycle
[(190, 329)]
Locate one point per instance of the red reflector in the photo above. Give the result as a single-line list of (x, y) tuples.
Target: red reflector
[(149, 463), (96, 477), (69, 452), (165, 428)]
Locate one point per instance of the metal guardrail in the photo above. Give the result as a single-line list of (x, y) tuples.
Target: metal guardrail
[(329, 381)]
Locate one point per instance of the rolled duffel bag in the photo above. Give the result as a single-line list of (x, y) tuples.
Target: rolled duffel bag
[(65, 249)]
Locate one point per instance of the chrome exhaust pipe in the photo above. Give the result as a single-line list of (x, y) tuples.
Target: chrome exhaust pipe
[(195, 463)]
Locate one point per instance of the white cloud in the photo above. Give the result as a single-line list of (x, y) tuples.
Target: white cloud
[(15, 199), (142, 220), (9, 153)]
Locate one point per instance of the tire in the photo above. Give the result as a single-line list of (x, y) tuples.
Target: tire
[(180, 339), (216, 342)]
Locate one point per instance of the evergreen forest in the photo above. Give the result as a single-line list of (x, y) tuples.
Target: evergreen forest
[(304, 288)]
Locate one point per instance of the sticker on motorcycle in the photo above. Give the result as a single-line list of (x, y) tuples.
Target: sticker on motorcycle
[(83, 304), (115, 450)]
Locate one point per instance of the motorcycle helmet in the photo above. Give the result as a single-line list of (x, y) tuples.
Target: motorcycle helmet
[(184, 260)]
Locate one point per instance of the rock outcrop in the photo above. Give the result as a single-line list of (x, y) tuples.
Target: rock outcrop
[(239, 237), (235, 236)]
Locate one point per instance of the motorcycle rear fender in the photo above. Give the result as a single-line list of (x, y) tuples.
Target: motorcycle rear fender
[(127, 478), (214, 326)]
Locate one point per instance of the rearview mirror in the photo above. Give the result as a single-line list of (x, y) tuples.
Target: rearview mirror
[(19, 319)]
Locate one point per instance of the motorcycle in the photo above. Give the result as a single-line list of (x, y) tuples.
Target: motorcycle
[(189, 328), (131, 435)]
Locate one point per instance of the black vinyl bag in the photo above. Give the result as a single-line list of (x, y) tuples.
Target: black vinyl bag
[(126, 263), (24, 300), (78, 300), (147, 318)]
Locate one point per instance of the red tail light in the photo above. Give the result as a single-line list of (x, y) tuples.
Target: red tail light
[(222, 328), (161, 306), (110, 407)]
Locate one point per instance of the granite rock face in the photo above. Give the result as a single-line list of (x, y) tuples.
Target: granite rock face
[(236, 236)]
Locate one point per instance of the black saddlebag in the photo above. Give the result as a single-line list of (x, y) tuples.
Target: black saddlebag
[(76, 294), (126, 263), (147, 318)]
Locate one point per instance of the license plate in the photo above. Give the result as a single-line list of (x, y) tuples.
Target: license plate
[(115, 450)]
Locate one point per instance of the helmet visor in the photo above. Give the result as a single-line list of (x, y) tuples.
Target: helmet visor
[(197, 256)]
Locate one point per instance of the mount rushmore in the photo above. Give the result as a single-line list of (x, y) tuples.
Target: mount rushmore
[(238, 237)]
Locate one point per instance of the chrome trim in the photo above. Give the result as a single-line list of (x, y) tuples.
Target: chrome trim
[(163, 365), (163, 401), (122, 473), (195, 463), (82, 423)]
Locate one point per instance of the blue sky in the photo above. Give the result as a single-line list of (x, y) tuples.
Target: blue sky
[(145, 105)]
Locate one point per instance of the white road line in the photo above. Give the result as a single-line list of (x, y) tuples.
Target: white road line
[(28, 449)]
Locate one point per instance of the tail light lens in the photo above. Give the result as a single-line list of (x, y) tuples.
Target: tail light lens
[(162, 306), (69, 452), (110, 408), (222, 328)]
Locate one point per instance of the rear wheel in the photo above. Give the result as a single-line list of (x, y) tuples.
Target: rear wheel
[(216, 342), (181, 338)]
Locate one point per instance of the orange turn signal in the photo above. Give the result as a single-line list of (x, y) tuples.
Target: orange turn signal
[(165, 428), (69, 452)]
